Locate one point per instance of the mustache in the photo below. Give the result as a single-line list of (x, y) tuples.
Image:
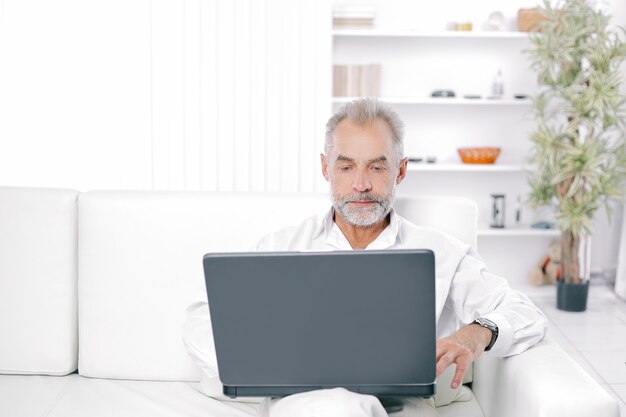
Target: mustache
[(362, 197)]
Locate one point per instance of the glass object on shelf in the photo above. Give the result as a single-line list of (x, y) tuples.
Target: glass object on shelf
[(497, 211), (497, 88), (495, 22)]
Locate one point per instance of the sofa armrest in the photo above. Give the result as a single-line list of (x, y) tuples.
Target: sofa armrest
[(543, 381)]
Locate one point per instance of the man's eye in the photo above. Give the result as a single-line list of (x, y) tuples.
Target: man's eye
[(344, 168), (378, 168)]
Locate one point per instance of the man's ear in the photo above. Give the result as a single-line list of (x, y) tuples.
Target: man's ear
[(324, 166), (402, 170)]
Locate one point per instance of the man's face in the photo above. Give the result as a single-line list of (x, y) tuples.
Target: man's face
[(363, 172)]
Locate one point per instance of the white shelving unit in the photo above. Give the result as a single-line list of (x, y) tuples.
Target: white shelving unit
[(443, 167), (518, 232), (444, 101), (415, 63), (368, 33)]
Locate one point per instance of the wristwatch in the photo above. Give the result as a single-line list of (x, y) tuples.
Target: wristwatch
[(488, 324)]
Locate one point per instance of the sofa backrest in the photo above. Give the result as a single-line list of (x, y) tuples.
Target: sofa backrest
[(141, 266), (457, 216), (38, 269)]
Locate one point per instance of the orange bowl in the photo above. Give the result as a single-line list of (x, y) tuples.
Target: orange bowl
[(479, 155)]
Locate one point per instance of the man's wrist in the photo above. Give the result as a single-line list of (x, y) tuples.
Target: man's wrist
[(484, 335), (490, 328)]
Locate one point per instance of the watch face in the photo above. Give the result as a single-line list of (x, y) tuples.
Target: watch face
[(487, 323)]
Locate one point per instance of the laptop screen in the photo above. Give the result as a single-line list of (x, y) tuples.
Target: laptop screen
[(296, 321)]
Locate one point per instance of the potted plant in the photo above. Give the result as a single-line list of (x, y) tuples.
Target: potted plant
[(578, 154)]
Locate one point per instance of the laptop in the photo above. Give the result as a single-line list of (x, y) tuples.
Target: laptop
[(290, 322)]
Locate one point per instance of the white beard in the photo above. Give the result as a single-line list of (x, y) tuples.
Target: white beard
[(364, 216)]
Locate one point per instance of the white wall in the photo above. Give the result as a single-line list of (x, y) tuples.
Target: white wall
[(75, 94), (163, 94)]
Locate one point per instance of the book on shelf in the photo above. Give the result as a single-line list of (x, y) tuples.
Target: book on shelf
[(353, 17), (356, 80), (354, 23)]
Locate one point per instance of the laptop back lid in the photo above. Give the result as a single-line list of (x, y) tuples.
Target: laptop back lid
[(292, 322)]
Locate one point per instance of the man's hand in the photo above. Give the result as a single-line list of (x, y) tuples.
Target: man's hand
[(462, 348)]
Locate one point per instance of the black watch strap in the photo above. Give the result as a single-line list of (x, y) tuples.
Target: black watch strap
[(488, 324)]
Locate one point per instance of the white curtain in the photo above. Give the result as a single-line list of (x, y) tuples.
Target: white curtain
[(241, 92)]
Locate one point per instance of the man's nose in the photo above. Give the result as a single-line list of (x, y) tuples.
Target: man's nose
[(362, 182)]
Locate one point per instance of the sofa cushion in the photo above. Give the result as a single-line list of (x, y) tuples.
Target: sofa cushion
[(32, 395), (38, 318), (141, 267), (77, 396), (469, 408)]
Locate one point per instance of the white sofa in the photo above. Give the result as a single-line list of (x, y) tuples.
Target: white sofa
[(99, 282)]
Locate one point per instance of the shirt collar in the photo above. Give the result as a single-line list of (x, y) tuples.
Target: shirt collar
[(326, 223), (389, 237)]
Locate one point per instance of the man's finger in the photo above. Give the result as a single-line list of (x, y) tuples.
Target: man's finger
[(462, 365), (444, 361)]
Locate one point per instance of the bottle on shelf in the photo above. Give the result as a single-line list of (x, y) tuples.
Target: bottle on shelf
[(497, 88)]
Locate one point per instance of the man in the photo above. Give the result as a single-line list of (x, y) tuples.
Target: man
[(363, 162)]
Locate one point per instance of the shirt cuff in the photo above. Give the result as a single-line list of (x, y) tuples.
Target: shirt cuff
[(505, 334)]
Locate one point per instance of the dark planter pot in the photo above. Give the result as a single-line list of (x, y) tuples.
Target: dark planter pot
[(571, 297)]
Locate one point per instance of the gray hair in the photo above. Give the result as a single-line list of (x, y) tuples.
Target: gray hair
[(362, 112)]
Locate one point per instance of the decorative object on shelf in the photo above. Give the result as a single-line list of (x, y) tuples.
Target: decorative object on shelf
[(530, 20), (497, 211), (353, 17), (479, 155), (497, 87), (579, 148), (430, 159), (472, 96), (495, 22), (549, 269), (542, 225), (443, 93), (463, 27), (356, 80), (518, 211), (520, 96)]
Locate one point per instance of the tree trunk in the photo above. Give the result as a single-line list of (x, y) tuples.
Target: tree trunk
[(570, 257)]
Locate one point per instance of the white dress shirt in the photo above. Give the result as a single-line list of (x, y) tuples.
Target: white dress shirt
[(465, 290)]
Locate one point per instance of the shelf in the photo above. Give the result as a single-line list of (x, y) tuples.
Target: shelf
[(373, 33), (450, 167), (519, 232), (444, 101)]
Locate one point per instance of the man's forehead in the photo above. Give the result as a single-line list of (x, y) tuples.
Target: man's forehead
[(362, 142), (377, 126)]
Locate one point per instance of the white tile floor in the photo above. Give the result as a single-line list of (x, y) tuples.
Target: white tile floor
[(596, 338)]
